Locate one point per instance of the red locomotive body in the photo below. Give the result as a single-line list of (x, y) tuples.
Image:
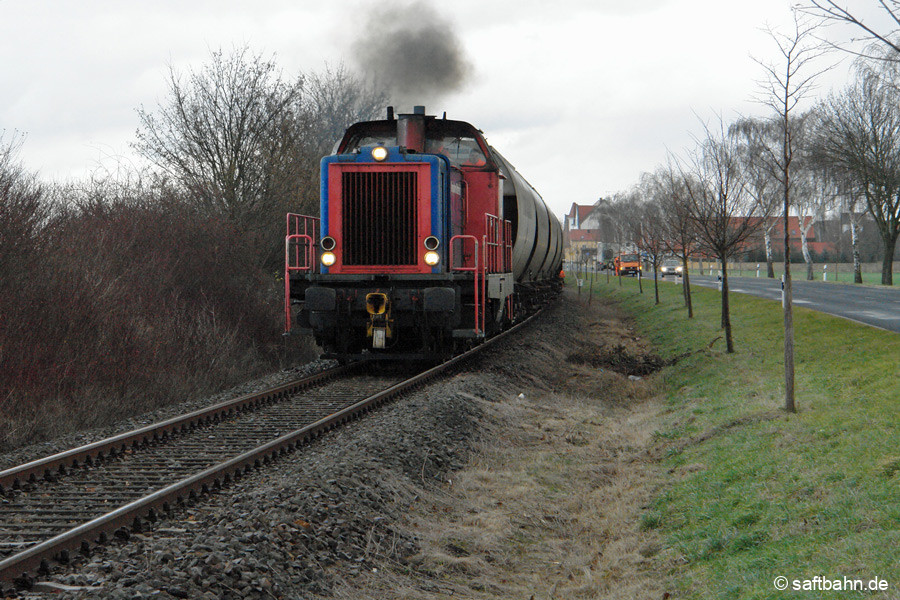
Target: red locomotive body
[(428, 241)]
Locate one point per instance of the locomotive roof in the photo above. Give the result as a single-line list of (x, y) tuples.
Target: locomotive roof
[(434, 127)]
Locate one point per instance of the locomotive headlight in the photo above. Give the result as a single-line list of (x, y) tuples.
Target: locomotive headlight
[(379, 153), (432, 258), (327, 258)]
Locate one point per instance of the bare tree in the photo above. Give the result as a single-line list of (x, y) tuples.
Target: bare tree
[(338, 98), (649, 225), (230, 134), (785, 86), (760, 136), (720, 206), (629, 206), (22, 214), (852, 203), (680, 233), (816, 191), (607, 222), (830, 11), (617, 215), (861, 134)]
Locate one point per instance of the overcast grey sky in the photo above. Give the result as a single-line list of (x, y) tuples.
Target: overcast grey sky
[(580, 95)]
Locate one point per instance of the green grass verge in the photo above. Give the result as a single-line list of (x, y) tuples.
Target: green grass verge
[(837, 273), (754, 492), (798, 273)]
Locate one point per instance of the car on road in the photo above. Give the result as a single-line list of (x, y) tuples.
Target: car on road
[(627, 264), (671, 266)]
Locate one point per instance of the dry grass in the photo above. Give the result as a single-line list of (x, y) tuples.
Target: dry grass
[(551, 504)]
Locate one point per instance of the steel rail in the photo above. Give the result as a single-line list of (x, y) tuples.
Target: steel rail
[(20, 567), (14, 477)]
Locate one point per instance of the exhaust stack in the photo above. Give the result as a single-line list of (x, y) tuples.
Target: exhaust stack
[(411, 130)]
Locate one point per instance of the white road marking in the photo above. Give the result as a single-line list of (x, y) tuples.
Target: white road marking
[(875, 314)]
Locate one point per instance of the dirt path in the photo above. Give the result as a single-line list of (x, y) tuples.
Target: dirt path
[(553, 502)]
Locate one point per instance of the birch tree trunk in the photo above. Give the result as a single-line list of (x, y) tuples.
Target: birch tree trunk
[(854, 243), (804, 246)]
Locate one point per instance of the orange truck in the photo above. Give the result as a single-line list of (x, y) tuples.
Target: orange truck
[(627, 264)]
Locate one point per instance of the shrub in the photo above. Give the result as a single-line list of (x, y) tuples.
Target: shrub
[(126, 300)]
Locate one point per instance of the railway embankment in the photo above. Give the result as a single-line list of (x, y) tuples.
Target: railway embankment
[(370, 509), (612, 450)]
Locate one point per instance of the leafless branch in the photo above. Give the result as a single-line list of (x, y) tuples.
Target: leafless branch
[(828, 10)]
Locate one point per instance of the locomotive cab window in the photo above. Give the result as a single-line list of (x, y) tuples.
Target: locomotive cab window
[(462, 151), (370, 140)]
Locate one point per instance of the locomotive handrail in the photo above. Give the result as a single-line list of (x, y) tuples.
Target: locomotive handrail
[(508, 258), (491, 243), (497, 244), (298, 224), (464, 199), (310, 257), (497, 251), (309, 254), (508, 245), (305, 238), (479, 323), (310, 226)]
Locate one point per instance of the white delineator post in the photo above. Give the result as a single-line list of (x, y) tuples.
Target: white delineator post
[(782, 291)]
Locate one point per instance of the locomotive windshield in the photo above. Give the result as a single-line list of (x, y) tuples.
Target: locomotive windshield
[(371, 140), (461, 143), (462, 151)]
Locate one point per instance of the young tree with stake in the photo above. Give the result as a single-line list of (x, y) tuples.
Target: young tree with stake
[(720, 206), (785, 86)]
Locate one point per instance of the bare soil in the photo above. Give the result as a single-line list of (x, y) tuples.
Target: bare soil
[(553, 500)]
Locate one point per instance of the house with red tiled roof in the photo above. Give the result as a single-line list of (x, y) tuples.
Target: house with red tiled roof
[(583, 239), (776, 234), (578, 215)]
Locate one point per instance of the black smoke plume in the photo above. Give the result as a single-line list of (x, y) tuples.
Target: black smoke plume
[(412, 52)]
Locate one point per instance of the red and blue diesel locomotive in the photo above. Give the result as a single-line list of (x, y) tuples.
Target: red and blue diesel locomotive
[(428, 241)]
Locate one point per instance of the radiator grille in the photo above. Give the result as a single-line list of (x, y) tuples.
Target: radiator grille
[(379, 217)]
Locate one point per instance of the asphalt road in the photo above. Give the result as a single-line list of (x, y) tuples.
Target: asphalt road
[(879, 307)]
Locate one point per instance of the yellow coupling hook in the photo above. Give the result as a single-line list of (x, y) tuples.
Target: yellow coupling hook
[(379, 308)]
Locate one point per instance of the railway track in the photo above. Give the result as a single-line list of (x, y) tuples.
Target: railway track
[(66, 503)]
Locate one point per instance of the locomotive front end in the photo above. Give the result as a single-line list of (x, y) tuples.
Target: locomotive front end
[(411, 257), (382, 287), (383, 218), (379, 212)]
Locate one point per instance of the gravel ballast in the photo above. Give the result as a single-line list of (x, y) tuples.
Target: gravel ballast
[(331, 512), (25, 454), (291, 528)]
